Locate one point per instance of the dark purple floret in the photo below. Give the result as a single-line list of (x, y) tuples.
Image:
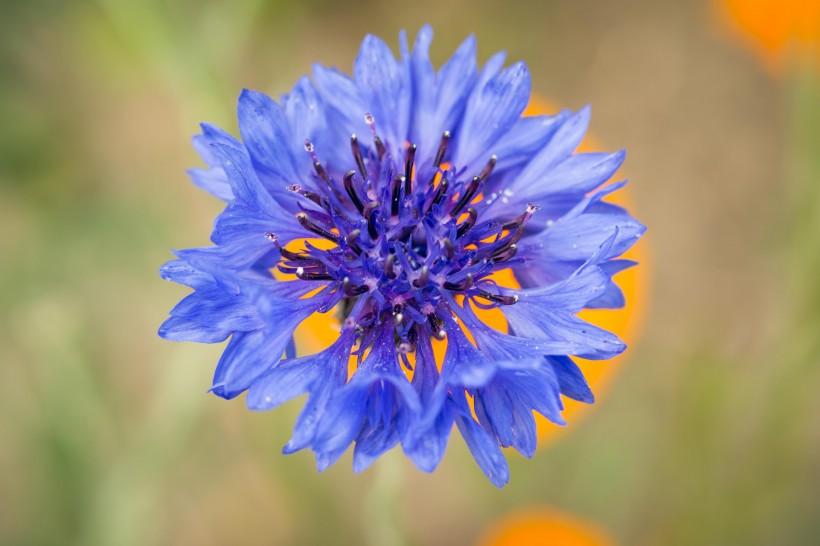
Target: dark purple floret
[(403, 253)]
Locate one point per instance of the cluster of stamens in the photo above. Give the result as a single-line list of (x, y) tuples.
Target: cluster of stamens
[(407, 238)]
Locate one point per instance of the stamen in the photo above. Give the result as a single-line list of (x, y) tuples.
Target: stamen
[(449, 249), (497, 298), (438, 332), (310, 226), (320, 170), (466, 196), (523, 219), (312, 276), (371, 121), (351, 191), (442, 148), (488, 169), (389, 266), (370, 214), (296, 257), (441, 191), (315, 197), (466, 284), (394, 203), (468, 223), (506, 254), (352, 242), (409, 160), (352, 290), (423, 278), (357, 155)]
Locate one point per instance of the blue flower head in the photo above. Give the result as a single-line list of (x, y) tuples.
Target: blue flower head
[(423, 185)]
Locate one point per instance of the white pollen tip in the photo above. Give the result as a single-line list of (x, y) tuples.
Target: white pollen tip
[(300, 271)]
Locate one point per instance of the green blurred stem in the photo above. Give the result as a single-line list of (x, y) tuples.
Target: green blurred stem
[(382, 503)]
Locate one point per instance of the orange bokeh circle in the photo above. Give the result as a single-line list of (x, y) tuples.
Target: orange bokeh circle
[(626, 323), (543, 527), (774, 29)]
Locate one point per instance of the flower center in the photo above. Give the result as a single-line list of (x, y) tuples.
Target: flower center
[(408, 237)]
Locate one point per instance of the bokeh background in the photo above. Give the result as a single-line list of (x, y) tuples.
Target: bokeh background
[(708, 433)]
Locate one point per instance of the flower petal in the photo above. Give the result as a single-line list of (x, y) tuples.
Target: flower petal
[(384, 85), (483, 447), (492, 109), (266, 134)]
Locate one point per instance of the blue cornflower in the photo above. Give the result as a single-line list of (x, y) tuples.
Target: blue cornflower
[(423, 185)]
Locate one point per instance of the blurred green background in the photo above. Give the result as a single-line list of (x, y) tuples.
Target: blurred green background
[(709, 435)]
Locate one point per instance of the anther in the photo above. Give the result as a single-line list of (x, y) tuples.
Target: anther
[(357, 155), (389, 266), (352, 290), (320, 171), (424, 276), (290, 255), (466, 196), (466, 284), (352, 242), (468, 223), (369, 213), (310, 226), (315, 197), (312, 276), (441, 191), (506, 254), (488, 169), (449, 249), (371, 121), (435, 327), (442, 148), (395, 198), (497, 298), (523, 219), (409, 160), (351, 191)]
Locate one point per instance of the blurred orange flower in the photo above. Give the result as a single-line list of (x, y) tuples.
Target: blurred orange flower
[(543, 526), (626, 323), (775, 29)]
